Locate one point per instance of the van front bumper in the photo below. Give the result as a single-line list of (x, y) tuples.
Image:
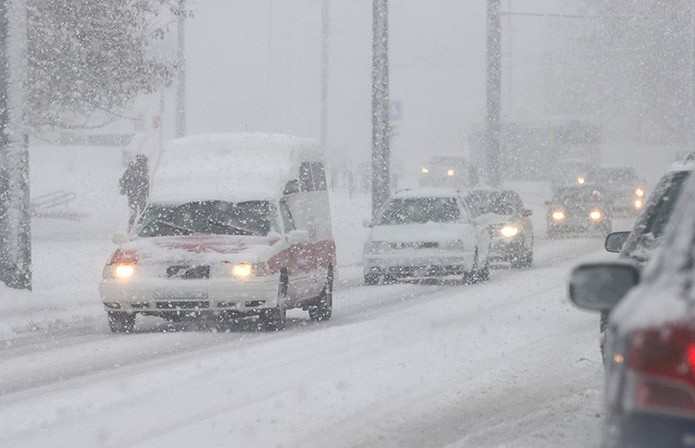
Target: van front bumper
[(164, 296)]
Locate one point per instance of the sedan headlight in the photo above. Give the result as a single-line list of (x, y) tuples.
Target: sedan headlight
[(639, 193), (558, 215), (595, 215), (581, 180), (509, 231), (637, 204)]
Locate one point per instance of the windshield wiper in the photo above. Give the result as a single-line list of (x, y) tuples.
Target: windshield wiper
[(175, 226), (234, 228)]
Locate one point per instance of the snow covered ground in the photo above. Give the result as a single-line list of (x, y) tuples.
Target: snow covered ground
[(507, 363)]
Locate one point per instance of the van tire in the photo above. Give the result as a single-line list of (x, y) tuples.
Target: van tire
[(323, 309), (121, 322), (275, 319)]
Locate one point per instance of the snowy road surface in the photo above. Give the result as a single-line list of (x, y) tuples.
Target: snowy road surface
[(507, 363)]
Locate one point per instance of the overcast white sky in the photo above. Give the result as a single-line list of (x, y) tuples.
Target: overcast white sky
[(255, 65)]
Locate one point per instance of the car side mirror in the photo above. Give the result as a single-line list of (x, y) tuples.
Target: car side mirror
[(120, 237), (526, 212), (615, 241), (291, 187), (298, 237), (600, 286)]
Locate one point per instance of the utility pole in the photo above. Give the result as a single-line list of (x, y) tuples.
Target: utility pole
[(494, 92), (325, 48), (15, 218), (380, 107), (181, 82)]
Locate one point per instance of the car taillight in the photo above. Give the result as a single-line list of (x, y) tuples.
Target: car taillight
[(122, 256), (661, 368)]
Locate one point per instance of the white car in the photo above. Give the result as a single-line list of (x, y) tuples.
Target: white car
[(427, 233)]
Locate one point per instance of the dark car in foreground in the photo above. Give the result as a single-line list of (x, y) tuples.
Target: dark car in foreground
[(580, 209), (649, 390)]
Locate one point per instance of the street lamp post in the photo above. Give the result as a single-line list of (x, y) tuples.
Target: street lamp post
[(15, 218), (494, 92), (380, 107), (181, 82), (325, 53)]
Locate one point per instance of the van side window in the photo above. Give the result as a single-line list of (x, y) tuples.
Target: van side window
[(319, 175), (287, 220), (305, 181)]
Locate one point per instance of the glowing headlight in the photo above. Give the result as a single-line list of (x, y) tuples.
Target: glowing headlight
[(124, 271), (509, 231), (450, 172), (581, 180), (595, 215), (242, 270), (425, 170), (558, 215), (637, 204), (639, 192)]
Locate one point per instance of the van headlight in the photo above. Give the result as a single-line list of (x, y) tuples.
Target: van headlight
[(595, 215), (123, 271), (242, 271), (639, 193)]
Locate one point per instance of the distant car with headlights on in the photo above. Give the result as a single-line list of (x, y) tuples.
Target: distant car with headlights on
[(451, 172), (237, 225), (624, 189), (569, 173), (510, 225), (426, 233), (580, 209)]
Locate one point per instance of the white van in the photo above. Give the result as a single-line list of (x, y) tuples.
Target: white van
[(236, 225)]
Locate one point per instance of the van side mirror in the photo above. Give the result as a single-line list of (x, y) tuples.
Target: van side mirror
[(120, 237), (600, 286), (291, 187), (615, 241)]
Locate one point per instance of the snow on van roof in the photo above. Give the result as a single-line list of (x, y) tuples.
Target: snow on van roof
[(229, 167)]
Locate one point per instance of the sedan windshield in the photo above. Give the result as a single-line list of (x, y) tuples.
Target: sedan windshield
[(420, 211), (496, 202), (208, 218)]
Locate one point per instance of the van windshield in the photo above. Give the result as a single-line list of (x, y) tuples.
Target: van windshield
[(256, 218)]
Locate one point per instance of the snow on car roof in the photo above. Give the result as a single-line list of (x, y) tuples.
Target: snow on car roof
[(230, 167)]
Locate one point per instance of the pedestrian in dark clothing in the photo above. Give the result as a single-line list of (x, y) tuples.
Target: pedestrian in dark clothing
[(135, 184)]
